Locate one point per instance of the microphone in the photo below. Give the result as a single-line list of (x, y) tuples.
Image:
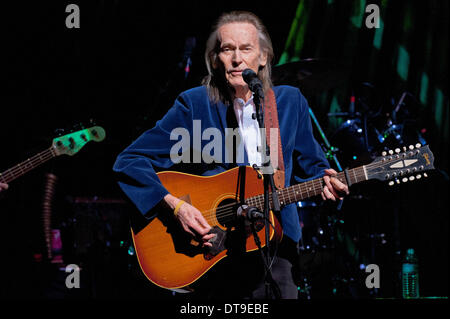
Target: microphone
[(249, 213), (254, 83)]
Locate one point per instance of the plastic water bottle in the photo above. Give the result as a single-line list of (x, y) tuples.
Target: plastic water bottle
[(410, 275)]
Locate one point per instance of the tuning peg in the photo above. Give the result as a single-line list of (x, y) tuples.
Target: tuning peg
[(384, 153), (404, 179), (411, 147), (397, 150), (418, 145), (404, 148), (425, 175), (391, 152), (391, 183), (418, 176), (397, 181), (72, 142)]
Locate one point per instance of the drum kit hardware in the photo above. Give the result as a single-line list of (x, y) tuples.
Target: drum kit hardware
[(365, 130), (371, 125)]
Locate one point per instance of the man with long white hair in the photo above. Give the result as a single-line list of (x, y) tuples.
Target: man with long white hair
[(238, 41)]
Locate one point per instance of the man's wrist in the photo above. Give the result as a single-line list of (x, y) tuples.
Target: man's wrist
[(171, 201), (177, 208)]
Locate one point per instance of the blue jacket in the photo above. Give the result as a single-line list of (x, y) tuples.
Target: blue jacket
[(150, 153)]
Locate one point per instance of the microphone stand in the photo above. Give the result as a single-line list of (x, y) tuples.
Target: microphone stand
[(267, 172)]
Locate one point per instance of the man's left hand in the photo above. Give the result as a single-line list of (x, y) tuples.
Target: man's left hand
[(334, 188), (3, 186)]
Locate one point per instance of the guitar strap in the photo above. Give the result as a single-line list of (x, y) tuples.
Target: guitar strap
[(271, 121)]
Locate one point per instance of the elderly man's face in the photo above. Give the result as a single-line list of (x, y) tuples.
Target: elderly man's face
[(239, 50)]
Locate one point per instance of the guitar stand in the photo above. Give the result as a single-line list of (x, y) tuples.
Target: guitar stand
[(269, 282)]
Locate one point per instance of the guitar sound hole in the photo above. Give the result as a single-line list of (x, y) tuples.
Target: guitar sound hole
[(226, 213)]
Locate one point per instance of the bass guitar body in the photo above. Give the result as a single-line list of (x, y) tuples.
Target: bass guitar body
[(170, 257)]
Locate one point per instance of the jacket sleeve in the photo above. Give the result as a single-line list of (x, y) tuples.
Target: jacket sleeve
[(307, 151), (137, 165)]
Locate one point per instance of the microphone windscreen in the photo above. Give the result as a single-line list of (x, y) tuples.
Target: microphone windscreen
[(248, 75)]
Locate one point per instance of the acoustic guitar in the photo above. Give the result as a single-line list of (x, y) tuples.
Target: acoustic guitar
[(171, 259)]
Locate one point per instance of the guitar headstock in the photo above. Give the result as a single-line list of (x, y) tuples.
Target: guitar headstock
[(401, 165), (70, 144)]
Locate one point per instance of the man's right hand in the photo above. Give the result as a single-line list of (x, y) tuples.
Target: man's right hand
[(191, 219)]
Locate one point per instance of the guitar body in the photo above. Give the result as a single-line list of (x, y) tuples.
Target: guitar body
[(166, 253)]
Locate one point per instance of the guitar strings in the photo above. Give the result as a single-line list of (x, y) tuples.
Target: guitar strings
[(22, 168), (225, 210), (25, 166), (358, 173), (229, 209), (288, 191)]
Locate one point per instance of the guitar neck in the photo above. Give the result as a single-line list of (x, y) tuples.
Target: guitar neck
[(27, 165), (302, 191)]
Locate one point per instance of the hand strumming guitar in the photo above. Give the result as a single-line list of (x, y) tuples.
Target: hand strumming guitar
[(191, 219)]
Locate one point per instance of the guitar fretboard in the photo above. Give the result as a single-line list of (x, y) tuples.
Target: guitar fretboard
[(27, 165), (302, 191)]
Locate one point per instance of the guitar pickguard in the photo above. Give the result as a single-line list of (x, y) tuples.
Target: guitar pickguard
[(218, 243)]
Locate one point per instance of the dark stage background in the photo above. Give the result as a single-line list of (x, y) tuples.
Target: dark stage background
[(123, 68)]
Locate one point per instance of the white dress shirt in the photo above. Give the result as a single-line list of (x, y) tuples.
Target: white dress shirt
[(248, 128)]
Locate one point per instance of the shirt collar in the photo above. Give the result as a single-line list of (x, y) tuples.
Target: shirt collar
[(240, 103)]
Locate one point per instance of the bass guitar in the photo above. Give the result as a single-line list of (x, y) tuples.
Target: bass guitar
[(68, 144)]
